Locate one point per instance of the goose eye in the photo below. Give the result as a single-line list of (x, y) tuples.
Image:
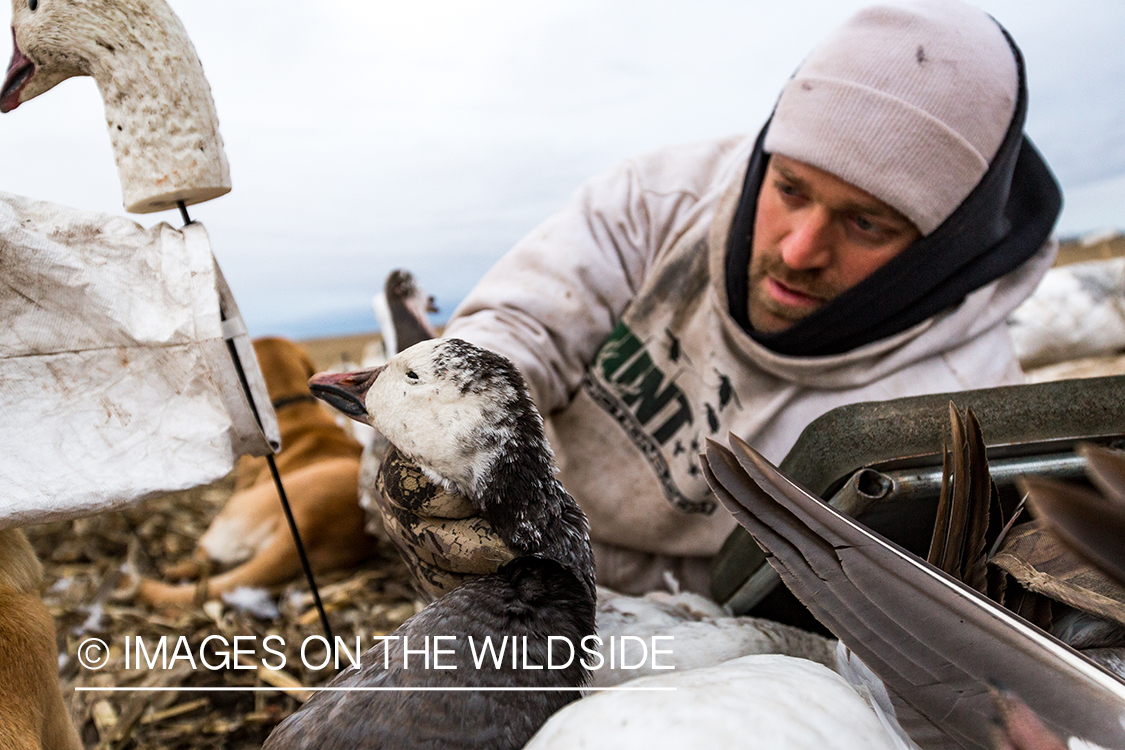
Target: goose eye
[(411, 375), (32, 4)]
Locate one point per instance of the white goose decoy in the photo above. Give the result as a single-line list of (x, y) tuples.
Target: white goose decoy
[(936, 645), (158, 106), (697, 632), (766, 701), (143, 359), (101, 359)]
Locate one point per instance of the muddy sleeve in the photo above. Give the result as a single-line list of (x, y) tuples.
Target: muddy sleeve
[(550, 302)]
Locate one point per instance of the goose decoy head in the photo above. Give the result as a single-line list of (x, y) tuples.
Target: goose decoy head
[(30, 76), (53, 41), (159, 111), (20, 71)]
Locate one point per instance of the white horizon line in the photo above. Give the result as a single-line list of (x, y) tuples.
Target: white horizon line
[(361, 689)]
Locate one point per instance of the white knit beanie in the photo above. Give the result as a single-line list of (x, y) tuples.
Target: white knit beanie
[(906, 102)]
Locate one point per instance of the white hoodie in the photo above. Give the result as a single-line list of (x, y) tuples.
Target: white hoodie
[(615, 310)]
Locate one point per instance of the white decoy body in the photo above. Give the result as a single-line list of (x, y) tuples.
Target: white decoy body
[(701, 633), (766, 701), (737, 682), (159, 110)]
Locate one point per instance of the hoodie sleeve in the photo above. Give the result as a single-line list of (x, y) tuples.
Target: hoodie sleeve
[(550, 302)]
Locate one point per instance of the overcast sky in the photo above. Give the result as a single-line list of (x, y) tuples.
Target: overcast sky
[(365, 135)]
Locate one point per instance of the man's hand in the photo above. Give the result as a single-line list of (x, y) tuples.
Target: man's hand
[(437, 532)]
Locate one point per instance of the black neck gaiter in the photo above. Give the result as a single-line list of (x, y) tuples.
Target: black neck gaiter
[(1004, 221)]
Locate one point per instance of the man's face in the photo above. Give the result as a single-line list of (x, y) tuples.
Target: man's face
[(815, 237)]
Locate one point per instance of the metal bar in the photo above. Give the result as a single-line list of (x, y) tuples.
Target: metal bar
[(867, 490), (906, 485)]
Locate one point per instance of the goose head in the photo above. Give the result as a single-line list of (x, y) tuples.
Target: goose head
[(159, 111), (459, 411), (464, 416)]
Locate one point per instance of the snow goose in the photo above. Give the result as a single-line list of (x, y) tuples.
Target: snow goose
[(464, 416)]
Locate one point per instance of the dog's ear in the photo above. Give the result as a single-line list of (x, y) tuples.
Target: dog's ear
[(307, 363)]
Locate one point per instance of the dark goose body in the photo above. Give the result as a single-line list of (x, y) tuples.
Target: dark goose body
[(529, 597)]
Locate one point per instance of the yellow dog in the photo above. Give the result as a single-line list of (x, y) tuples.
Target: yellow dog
[(32, 712), (319, 467)]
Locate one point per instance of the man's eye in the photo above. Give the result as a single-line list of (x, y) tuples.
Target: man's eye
[(864, 224), (786, 189)]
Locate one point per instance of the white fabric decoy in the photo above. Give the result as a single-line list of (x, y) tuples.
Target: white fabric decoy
[(1077, 311), (118, 382), (767, 701)]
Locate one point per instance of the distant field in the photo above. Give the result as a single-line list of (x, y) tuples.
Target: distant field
[(327, 352), (1077, 251)]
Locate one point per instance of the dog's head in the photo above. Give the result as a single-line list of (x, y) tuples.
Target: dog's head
[(286, 367)]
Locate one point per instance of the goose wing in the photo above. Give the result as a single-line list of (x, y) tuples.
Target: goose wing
[(1090, 523), (934, 642)]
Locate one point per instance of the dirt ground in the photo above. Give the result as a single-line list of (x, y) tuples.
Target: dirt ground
[(82, 560)]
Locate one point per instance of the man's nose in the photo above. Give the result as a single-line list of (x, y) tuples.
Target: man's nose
[(808, 244)]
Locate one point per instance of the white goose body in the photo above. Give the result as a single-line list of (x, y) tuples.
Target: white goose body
[(765, 701), (698, 633), (159, 110)]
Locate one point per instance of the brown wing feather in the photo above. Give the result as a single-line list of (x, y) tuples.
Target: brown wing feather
[(959, 501), (1107, 470), (1085, 521), (938, 541), (961, 523), (979, 498)]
